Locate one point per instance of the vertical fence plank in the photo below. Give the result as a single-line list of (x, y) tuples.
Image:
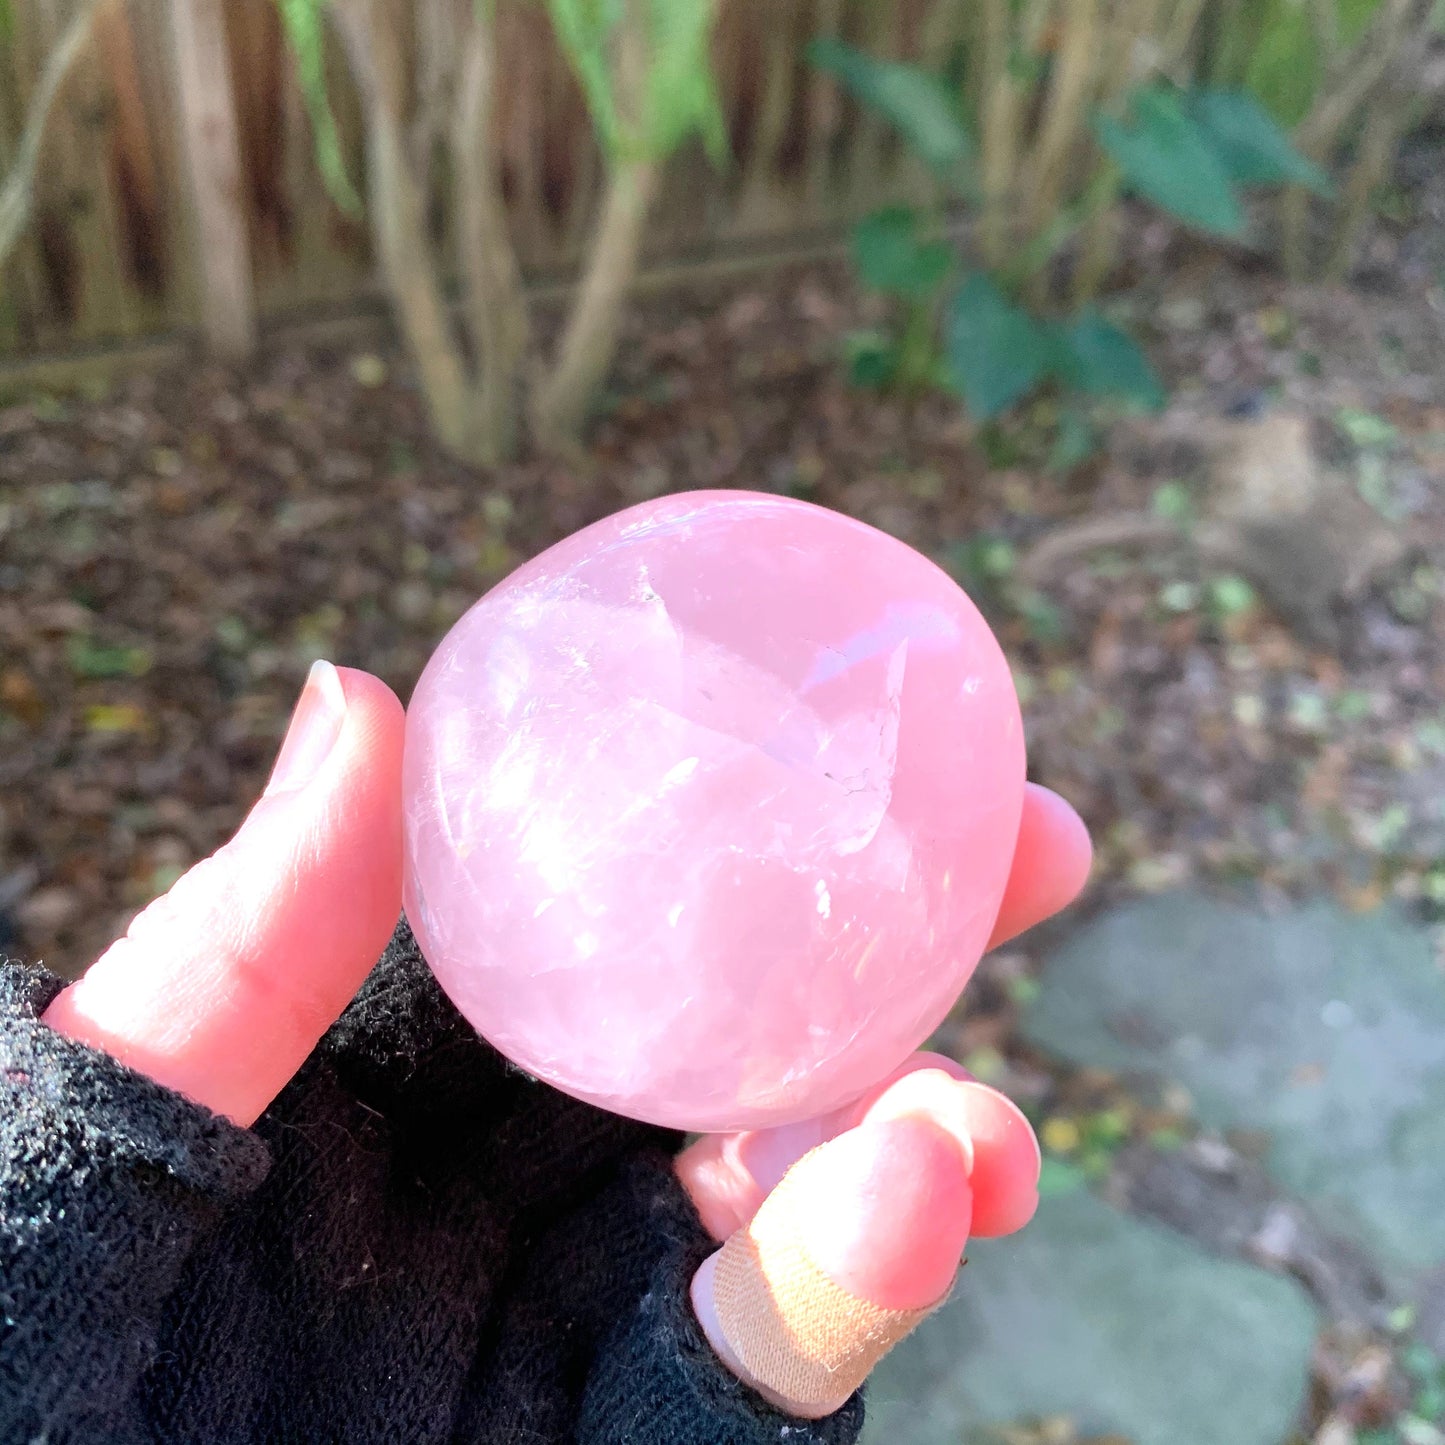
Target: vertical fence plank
[(825, 111), (145, 155), (211, 150), (52, 318), (101, 301), (21, 301), (151, 33), (762, 178), (136, 175)]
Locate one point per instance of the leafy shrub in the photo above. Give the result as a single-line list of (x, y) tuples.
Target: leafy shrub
[(989, 327)]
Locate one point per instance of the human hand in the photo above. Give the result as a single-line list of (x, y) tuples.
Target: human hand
[(222, 988), (821, 1276)]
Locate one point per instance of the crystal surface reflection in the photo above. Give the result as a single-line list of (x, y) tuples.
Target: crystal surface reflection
[(709, 809)]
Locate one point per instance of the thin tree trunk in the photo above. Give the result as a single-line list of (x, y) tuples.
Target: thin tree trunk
[(17, 195), (1348, 87), (1383, 127), (590, 340), (408, 264), (1357, 74), (1388, 120), (1178, 36), (396, 201), (998, 129), (566, 394), (207, 116), (494, 304), (87, 129), (435, 42), (1065, 110), (1099, 245)]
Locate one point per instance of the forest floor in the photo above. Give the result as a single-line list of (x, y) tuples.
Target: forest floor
[(175, 553), (177, 548)]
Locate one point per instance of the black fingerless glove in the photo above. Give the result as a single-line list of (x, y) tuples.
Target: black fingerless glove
[(416, 1243)]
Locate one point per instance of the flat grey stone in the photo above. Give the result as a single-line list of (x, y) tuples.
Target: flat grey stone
[(1121, 1325), (1321, 1029)]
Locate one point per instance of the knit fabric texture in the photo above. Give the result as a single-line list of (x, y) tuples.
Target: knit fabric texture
[(416, 1243)]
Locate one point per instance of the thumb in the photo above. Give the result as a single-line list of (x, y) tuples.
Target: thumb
[(222, 987), (860, 1241)]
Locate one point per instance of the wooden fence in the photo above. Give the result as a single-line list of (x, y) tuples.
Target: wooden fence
[(108, 255)]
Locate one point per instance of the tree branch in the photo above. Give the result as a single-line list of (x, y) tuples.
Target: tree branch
[(493, 301), (396, 202)]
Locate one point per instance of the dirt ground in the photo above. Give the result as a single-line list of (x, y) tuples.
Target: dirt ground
[(176, 551)]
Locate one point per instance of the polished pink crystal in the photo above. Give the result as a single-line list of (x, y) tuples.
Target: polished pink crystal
[(709, 809)]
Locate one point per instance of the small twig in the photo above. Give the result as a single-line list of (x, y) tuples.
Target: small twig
[(1095, 534), (1134, 530)]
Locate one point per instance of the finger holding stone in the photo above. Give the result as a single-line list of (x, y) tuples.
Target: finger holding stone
[(729, 1175), (856, 1246)]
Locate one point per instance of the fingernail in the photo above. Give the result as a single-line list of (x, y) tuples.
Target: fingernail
[(314, 728), (909, 1207), (853, 1249), (929, 1094)]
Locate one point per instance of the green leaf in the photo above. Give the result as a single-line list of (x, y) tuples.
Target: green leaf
[(681, 88), (97, 660), (1366, 429), (1166, 159), (996, 351), (1255, 149), (1284, 70), (1229, 596), (1421, 1363), (1429, 1404), (1074, 442), (678, 95), (988, 559), (1174, 502), (872, 360), (1046, 623), (891, 259), (1057, 1178), (302, 20), (916, 103), (1098, 359), (584, 30)]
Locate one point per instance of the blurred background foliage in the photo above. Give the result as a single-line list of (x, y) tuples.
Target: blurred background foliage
[(998, 143), (317, 317)]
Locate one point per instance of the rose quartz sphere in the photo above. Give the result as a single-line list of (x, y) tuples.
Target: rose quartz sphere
[(709, 809)]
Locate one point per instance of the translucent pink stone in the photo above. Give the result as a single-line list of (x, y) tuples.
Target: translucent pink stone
[(709, 809)]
